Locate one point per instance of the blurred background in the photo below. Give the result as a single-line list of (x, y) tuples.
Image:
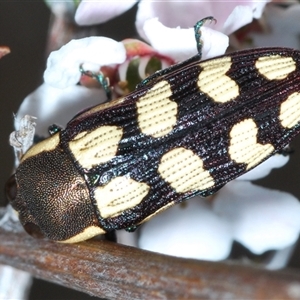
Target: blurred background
[(24, 29)]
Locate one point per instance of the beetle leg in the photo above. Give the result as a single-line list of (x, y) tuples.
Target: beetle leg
[(99, 76)]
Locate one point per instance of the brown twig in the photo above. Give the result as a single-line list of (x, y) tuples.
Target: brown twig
[(114, 271)]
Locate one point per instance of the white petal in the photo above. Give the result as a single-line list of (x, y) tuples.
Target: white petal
[(96, 12), (63, 65), (127, 238), (62, 9), (280, 21), (264, 169), (187, 13), (192, 231), (181, 13), (280, 258), (261, 219), (249, 11), (258, 7), (9, 276), (214, 43), (180, 44), (57, 106)]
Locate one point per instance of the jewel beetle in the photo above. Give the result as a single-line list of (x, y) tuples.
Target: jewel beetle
[(185, 131)]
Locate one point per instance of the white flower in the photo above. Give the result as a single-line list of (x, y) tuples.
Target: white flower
[(264, 169), (180, 44), (62, 8), (261, 219), (191, 231), (57, 106), (283, 27), (63, 65), (174, 13), (94, 12), (164, 33), (186, 14)]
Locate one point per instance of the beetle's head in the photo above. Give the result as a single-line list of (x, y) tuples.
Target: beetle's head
[(51, 197)]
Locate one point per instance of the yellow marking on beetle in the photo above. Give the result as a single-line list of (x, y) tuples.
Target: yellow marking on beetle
[(214, 82), (95, 147), (289, 115), (184, 171), (157, 212), (118, 195), (275, 67), (243, 146), (156, 112), (46, 145), (79, 136), (86, 234)]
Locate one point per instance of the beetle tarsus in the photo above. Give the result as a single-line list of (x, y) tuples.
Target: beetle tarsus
[(104, 81), (198, 34)]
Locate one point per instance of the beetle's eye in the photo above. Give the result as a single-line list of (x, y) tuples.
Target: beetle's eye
[(34, 230), (10, 188)]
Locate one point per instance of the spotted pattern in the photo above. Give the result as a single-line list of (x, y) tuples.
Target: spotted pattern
[(156, 112), (46, 145), (289, 115), (98, 146), (275, 67), (215, 83), (88, 233), (118, 195), (184, 171), (233, 112), (244, 147)]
